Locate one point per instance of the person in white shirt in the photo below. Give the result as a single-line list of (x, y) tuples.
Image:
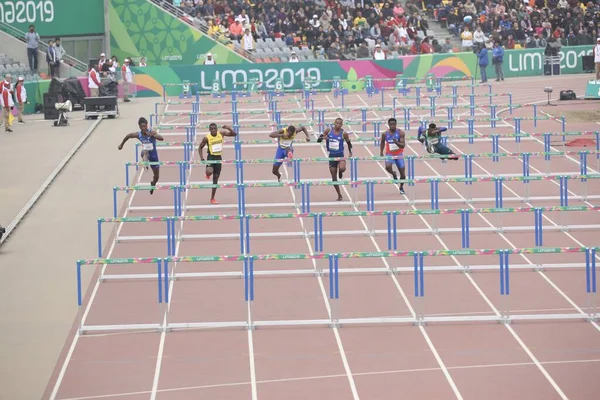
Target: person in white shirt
[(467, 39), (248, 41), (293, 58), (94, 81), (209, 59), (378, 54), (479, 38), (101, 61), (127, 77), (597, 58)]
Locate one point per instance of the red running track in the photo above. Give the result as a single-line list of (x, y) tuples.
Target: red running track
[(542, 360)]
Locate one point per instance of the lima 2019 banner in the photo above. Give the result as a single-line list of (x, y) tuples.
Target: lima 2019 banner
[(517, 63), (139, 28)]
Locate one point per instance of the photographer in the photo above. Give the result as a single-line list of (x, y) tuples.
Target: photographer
[(482, 60)]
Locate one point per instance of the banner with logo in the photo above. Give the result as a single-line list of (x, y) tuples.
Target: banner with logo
[(140, 28), (55, 18), (517, 63)]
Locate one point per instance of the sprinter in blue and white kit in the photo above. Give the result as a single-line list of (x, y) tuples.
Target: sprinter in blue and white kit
[(334, 141), (148, 139)]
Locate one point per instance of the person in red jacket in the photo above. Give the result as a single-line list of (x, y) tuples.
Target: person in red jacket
[(21, 96), (7, 102)]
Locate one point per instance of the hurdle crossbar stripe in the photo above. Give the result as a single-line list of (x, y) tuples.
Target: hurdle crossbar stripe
[(334, 109), (358, 182), (375, 254), (349, 214), (368, 158)]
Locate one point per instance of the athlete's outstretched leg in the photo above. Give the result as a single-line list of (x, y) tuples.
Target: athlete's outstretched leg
[(334, 177), (443, 150), (401, 168), (215, 180), (341, 168), (276, 172), (156, 173), (145, 157), (389, 168)]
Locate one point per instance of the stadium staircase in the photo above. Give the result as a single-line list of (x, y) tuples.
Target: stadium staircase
[(201, 25), (441, 32)]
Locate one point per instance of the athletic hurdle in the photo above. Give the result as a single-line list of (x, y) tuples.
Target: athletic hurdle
[(317, 234), (370, 190), (354, 162), (189, 146), (250, 271), (278, 123), (104, 262)]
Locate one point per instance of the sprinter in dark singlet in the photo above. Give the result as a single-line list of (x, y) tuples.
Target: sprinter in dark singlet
[(334, 140), (432, 138), (148, 139)]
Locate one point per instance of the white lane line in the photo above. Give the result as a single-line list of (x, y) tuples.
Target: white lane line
[(508, 327), (67, 360), (317, 377), (542, 274), (336, 333), (423, 331), (163, 334)]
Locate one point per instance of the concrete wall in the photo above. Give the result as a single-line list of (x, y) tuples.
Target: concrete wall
[(17, 50)]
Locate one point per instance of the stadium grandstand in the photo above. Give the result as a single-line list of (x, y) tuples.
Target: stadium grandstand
[(347, 29)]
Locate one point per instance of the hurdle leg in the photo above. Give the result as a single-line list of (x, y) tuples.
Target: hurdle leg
[(333, 306), (418, 276), (590, 281), (504, 287), (164, 295)]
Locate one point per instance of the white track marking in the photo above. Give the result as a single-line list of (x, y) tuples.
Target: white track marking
[(71, 350), (163, 334), (508, 327), (423, 332), (317, 377), (542, 274), (335, 329)]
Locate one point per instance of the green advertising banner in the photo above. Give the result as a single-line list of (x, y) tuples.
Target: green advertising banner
[(55, 18), (320, 75), (139, 28)]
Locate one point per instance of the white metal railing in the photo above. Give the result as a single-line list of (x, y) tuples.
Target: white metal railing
[(18, 34), (202, 26)]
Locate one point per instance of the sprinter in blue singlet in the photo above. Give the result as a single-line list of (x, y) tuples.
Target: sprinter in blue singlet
[(334, 141), (148, 139)]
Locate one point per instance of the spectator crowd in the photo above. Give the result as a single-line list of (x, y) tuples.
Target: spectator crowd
[(350, 29)]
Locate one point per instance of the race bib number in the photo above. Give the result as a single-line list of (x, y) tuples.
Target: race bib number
[(434, 140), (286, 143), (393, 146), (334, 145), (147, 146), (217, 147)]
